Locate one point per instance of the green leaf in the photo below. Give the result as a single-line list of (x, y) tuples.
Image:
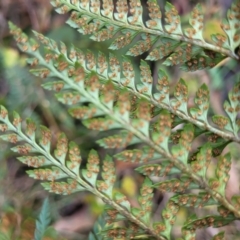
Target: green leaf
[(143, 155), (208, 221), (91, 172), (43, 221), (109, 176), (165, 168), (202, 102)]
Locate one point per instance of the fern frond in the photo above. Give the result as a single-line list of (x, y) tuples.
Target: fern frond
[(80, 66), (186, 47), (62, 173), (126, 112)]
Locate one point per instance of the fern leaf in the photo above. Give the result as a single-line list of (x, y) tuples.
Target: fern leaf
[(43, 222), (135, 93), (208, 221), (108, 23)]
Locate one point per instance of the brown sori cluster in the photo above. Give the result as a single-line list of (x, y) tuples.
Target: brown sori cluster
[(13, 138), (108, 7), (186, 139), (166, 47), (123, 102), (108, 175), (46, 174), (208, 221), (31, 128), (93, 165), (220, 39), (99, 124), (63, 187), (223, 168), (144, 110), (115, 67), (3, 127), (24, 149), (170, 212), (108, 92), (163, 126), (172, 18), (181, 91), (95, 6), (83, 112), (62, 145), (122, 8), (74, 155), (123, 40), (220, 121), (224, 212), (174, 185), (135, 10), (45, 136), (116, 141), (70, 98), (202, 160), (141, 46), (146, 75), (163, 87), (159, 227), (111, 215), (154, 13), (92, 82), (34, 161), (198, 63), (102, 66)]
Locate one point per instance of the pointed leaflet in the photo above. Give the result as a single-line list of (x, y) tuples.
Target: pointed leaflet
[(173, 24), (109, 176), (50, 174), (194, 200), (176, 185), (208, 221), (145, 201), (181, 151), (143, 45), (122, 11), (162, 129), (121, 140), (163, 48), (155, 15), (202, 102), (203, 158), (231, 26), (143, 155), (91, 173), (232, 107), (64, 188), (165, 168), (61, 148), (145, 86), (222, 174), (169, 214), (181, 95), (136, 12), (162, 95), (74, 158), (196, 21)]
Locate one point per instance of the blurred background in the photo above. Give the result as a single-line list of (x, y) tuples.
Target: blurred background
[(21, 197)]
